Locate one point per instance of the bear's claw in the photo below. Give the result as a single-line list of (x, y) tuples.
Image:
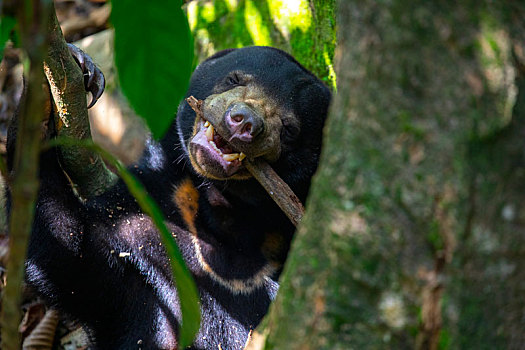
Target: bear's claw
[(94, 80)]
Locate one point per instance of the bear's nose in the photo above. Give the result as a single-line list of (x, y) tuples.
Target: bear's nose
[(244, 123)]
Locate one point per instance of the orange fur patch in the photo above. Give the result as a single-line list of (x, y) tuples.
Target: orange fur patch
[(186, 197), (272, 246)]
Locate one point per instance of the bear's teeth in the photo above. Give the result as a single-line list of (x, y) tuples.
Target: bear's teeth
[(230, 156), (215, 147), (209, 133)]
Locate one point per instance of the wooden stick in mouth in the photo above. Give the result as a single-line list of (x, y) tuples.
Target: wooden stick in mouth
[(278, 190)]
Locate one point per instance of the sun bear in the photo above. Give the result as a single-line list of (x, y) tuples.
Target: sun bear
[(101, 262)]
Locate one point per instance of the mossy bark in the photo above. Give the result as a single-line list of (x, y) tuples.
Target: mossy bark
[(415, 225), (87, 171)]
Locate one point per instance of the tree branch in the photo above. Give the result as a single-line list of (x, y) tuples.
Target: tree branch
[(85, 168), (32, 18)]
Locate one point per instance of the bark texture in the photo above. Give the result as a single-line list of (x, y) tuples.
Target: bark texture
[(414, 231), (85, 168)]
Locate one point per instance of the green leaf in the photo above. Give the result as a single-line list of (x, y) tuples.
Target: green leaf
[(6, 27), (153, 56), (186, 288), (187, 291)]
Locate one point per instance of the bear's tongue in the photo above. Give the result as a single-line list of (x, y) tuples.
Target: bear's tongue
[(213, 151)]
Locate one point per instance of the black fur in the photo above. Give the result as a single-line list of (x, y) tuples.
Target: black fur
[(128, 301)]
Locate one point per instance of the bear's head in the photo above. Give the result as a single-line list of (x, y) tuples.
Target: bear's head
[(258, 102)]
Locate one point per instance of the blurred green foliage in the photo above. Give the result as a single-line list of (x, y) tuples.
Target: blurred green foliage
[(305, 29), (7, 24)]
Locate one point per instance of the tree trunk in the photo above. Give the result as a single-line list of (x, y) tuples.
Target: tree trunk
[(415, 227)]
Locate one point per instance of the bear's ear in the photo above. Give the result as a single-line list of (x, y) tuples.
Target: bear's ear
[(219, 54), (311, 111)]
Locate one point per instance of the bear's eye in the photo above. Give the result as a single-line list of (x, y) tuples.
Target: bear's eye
[(233, 80)]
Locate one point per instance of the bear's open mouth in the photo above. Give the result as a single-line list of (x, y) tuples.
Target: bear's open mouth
[(213, 154)]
